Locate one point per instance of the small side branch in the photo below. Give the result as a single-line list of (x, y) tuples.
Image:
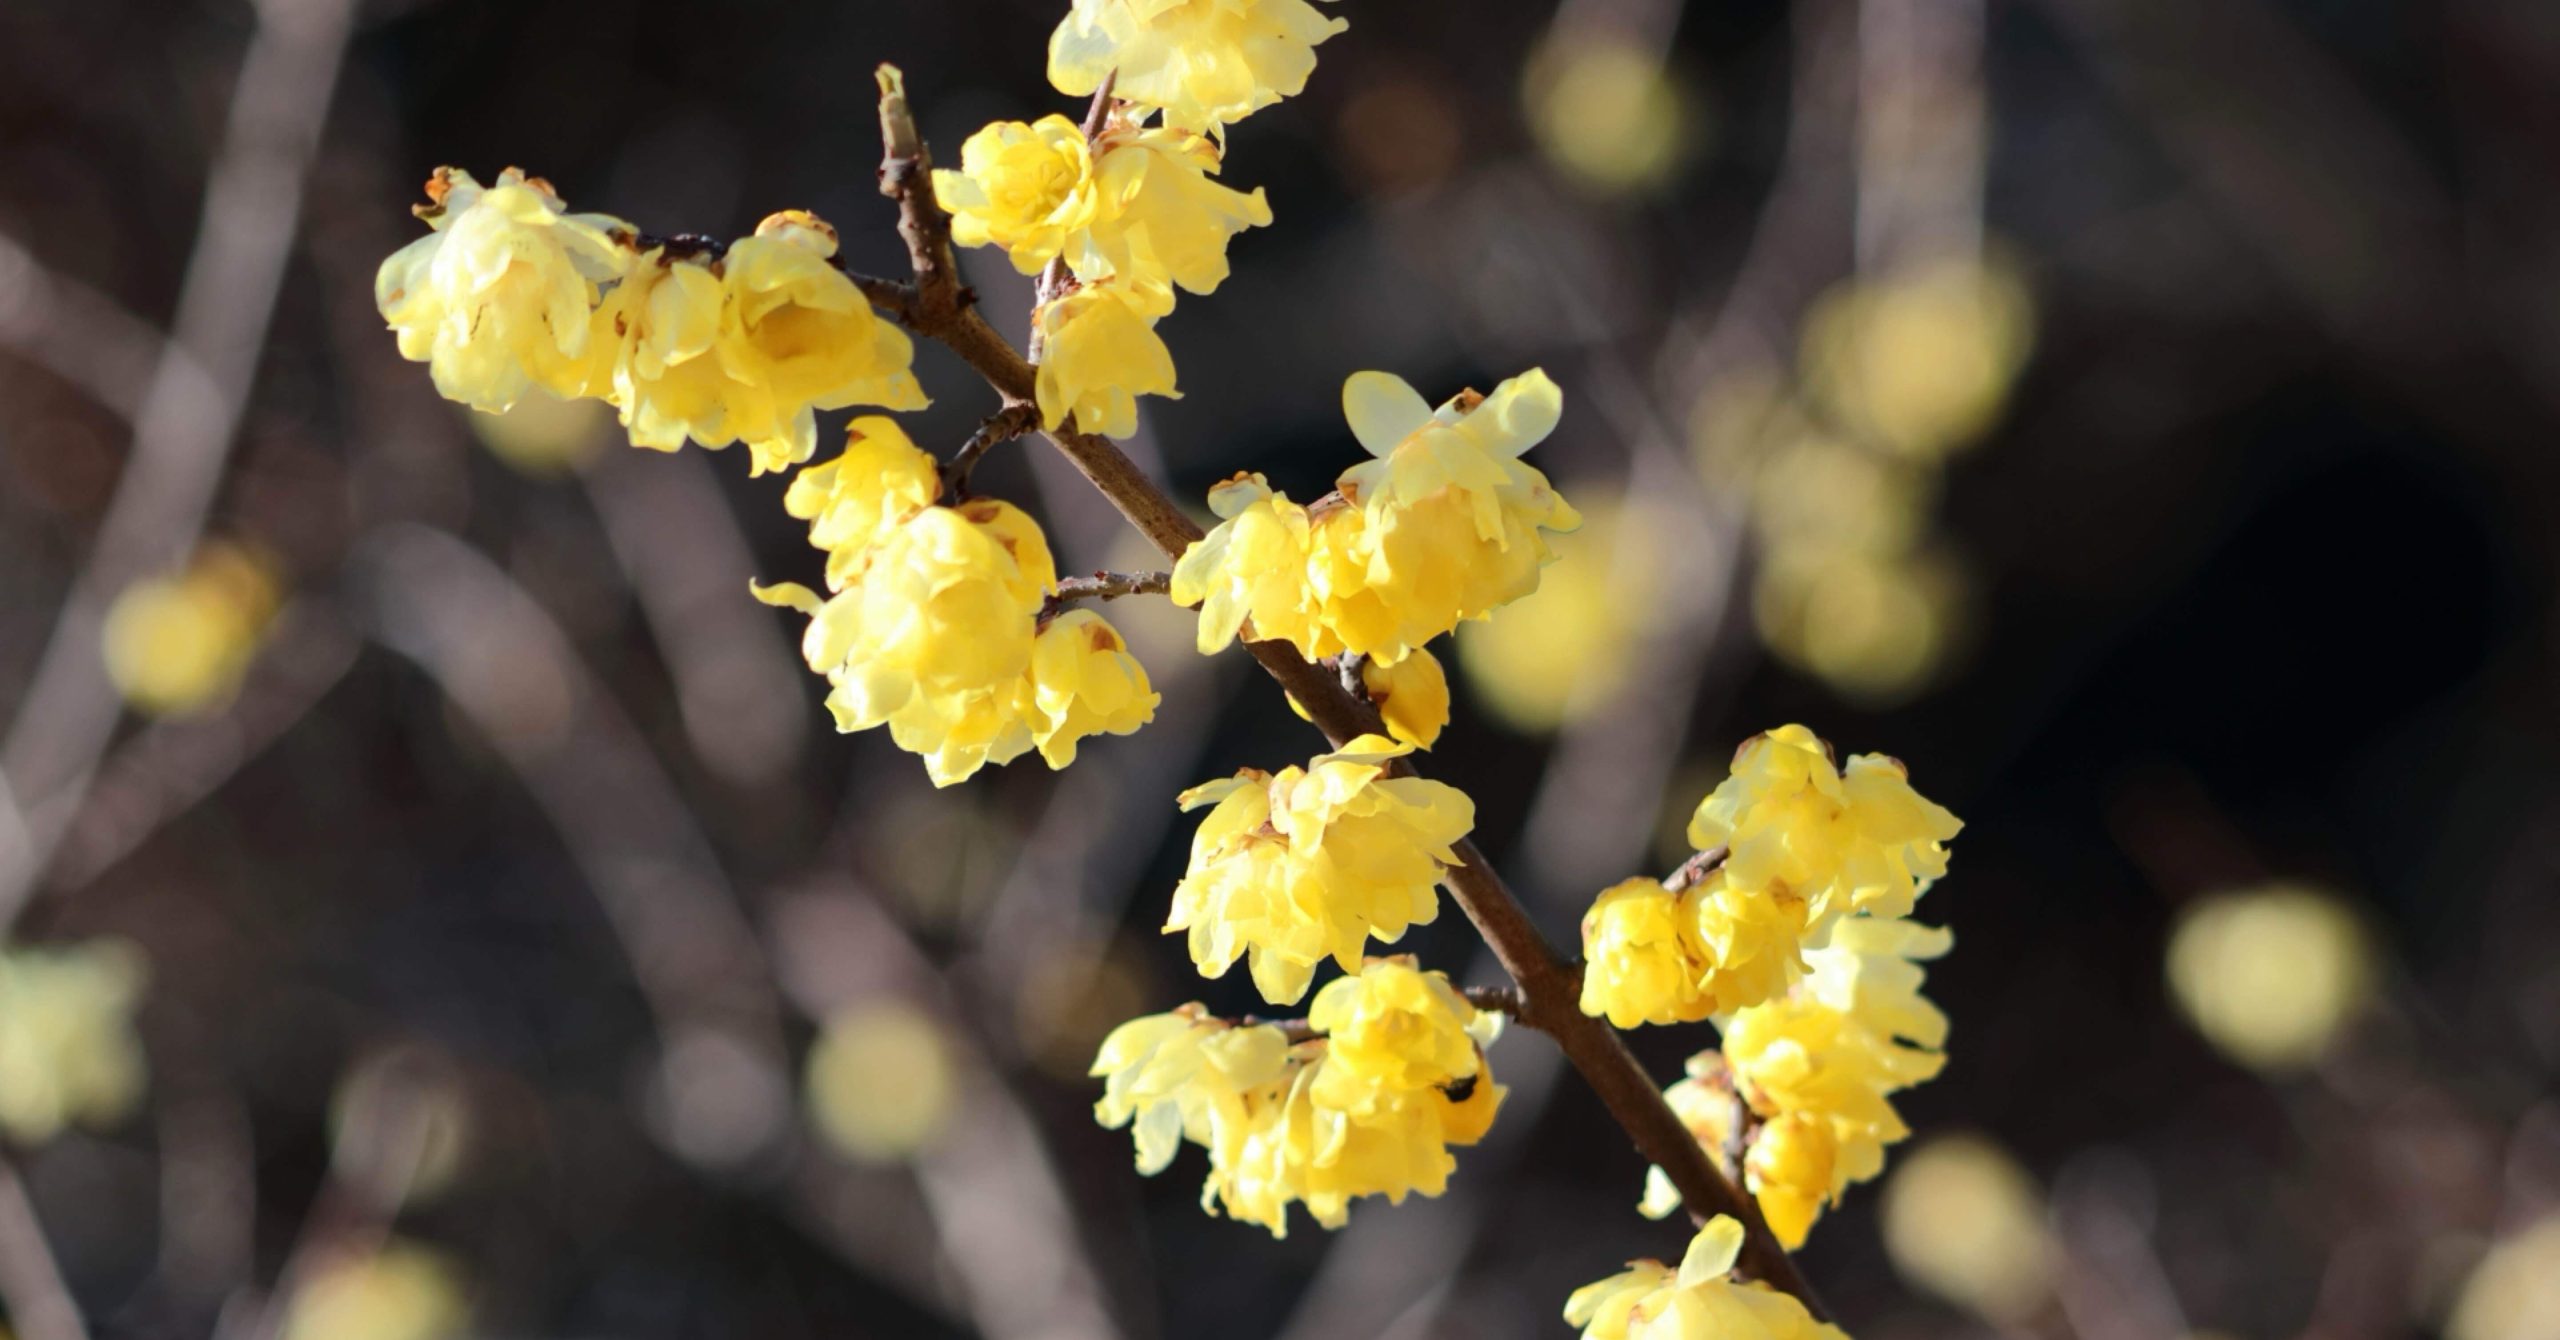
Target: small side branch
[(1500, 999), (1694, 871), (1002, 426), (1104, 586), (906, 176)]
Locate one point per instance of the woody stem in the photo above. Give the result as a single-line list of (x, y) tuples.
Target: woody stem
[(1549, 985)]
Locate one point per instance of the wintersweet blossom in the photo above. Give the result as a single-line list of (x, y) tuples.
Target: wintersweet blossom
[(1844, 840), (1100, 353), (1818, 1068), (1138, 203), (654, 353), (1311, 863), (1412, 696), (495, 298), (1084, 682), (1370, 1106), (798, 337), (1699, 1301), (69, 1055), (1656, 957), (1455, 521), (1205, 63), (854, 501)]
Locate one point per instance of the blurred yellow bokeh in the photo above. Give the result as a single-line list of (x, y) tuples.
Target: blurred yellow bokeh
[(882, 1084), (176, 646), (544, 436), (1963, 1220), (1556, 654), (1610, 113), (402, 1292), (68, 1051), (1820, 492), (2515, 1292), (2270, 975), (1919, 361), (1876, 627), (399, 1126)]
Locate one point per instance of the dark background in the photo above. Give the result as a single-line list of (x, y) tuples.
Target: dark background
[(2255, 576)]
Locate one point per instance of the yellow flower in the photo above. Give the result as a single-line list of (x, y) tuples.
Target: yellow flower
[(1168, 221), (1187, 1075), (855, 500), (1790, 1171), (68, 1052), (180, 645), (931, 633), (799, 337), (1412, 694), (398, 1292), (1253, 565), (1027, 188), (1855, 841), (1706, 1103), (495, 299), (1309, 864), (1638, 968), (1085, 682), (1100, 353), (1656, 957), (1394, 1030), (653, 354), (1699, 1301), (1453, 518), (1205, 63), (1138, 204)]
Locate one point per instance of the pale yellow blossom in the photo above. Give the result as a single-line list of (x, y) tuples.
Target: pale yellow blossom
[(1205, 63)]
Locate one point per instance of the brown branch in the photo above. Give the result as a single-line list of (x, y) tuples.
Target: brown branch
[(1002, 426), (1499, 999), (1113, 585), (1694, 871), (1550, 987)]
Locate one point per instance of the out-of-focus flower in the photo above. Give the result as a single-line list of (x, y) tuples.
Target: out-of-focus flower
[(1964, 1221), (882, 1083), (1699, 1301), (1100, 353), (1312, 863), (2514, 1294), (799, 337), (1560, 652), (177, 646), (1085, 682), (401, 1292), (69, 1055), (1205, 63), (1875, 627), (1610, 112), (1920, 361), (2271, 975), (1412, 696), (495, 299), (543, 435), (1844, 840)]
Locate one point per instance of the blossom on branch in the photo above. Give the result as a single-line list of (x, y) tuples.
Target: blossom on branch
[(1699, 1301), (1084, 682), (799, 337), (1205, 63), (1659, 957), (495, 298), (1101, 352), (1311, 863), (1844, 841)]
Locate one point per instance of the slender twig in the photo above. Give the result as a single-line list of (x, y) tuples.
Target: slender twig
[(1549, 985), (1104, 586), (188, 416), (40, 1304), (1499, 999), (1694, 871), (1002, 426)]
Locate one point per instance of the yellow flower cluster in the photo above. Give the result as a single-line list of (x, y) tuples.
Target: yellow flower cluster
[(508, 292), (1817, 1069), (1854, 840), (1658, 957), (68, 1052), (1137, 203), (1309, 864), (1204, 63), (1100, 352), (1370, 1106), (1446, 523), (1699, 1301), (933, 626)]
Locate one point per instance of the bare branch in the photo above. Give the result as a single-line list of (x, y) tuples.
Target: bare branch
[(1002, 426)]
